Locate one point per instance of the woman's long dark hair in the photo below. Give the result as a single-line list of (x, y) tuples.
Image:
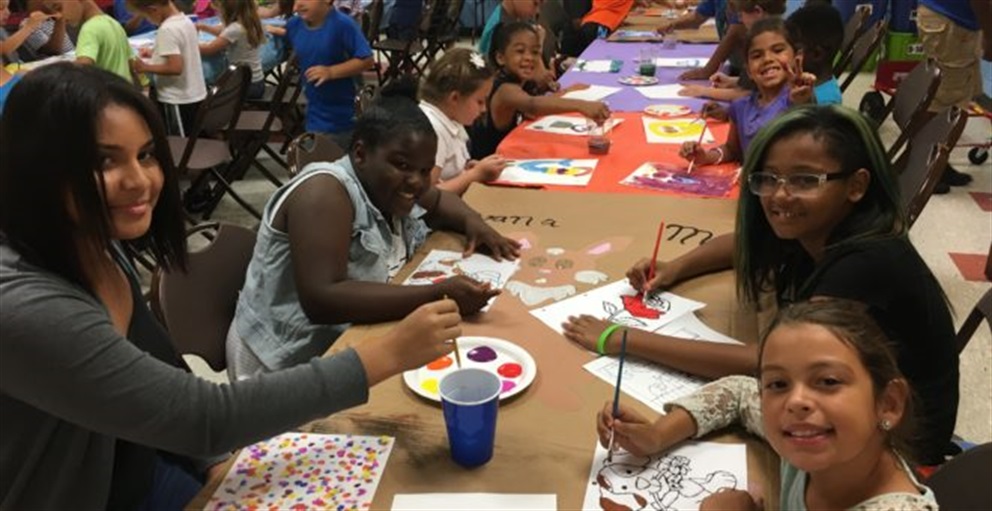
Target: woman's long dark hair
[(49, 160)]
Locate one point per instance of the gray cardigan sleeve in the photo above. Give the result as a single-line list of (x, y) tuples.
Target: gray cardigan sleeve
[(60, 353)]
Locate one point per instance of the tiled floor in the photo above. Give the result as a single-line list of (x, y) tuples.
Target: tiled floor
[(953, 234)]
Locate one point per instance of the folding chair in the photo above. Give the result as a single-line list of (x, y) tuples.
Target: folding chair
[(922, 164), (256, 127), (310, 147), (197, 306), (864, 48), (402, 54), (442, 31), (854, 27), (207, 161), (909, 103), (982, 310)]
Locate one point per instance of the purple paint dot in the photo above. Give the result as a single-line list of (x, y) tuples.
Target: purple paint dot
[(507, 386), (482, 354)]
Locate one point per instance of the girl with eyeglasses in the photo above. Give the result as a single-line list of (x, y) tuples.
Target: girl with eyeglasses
[(821, 219)]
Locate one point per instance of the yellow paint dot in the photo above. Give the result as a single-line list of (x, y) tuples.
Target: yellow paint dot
[(429, 385)]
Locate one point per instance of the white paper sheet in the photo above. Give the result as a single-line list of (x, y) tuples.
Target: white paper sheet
[(592, 93), (595, 66), (440, 265), (667, 91), (683, 62), (679, 479), (474, 502), (619, 303), (551, 171), (569, 125), (653, 384), (675, 131)]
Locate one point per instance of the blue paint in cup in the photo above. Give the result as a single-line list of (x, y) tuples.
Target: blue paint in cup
[(470, 400)]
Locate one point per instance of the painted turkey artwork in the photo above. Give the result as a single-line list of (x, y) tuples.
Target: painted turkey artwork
[(636, 308), (550, 274)]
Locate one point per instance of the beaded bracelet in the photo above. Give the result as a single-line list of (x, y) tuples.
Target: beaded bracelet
[(601, 343)]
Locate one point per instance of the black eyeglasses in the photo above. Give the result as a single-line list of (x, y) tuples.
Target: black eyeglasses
[(800, 184)]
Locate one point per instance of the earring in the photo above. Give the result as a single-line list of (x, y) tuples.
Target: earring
[(884, 425)]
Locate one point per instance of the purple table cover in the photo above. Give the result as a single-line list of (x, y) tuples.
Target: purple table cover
[(629, 99)]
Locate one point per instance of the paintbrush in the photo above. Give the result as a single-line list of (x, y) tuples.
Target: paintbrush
[(654, 255), (458, 357), (616, 392), (702, 133)]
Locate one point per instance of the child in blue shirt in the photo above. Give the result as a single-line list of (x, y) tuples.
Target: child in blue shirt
[(332, 51), (821, 32)]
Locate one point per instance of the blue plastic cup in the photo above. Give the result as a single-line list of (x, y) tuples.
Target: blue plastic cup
[(470, 400)]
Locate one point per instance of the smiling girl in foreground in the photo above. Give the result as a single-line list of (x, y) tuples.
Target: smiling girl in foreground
[(830, 401), (331, 239)]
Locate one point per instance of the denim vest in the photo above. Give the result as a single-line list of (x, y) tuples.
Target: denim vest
[(269, 317)]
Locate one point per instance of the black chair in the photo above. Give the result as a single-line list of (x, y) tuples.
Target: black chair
[(908, 105), (854, 28), (922, 164), (958, 484), (864, 49), (982, 310), (310, 147), (403, 54), (256, 127), (197, 306), (206, 156)]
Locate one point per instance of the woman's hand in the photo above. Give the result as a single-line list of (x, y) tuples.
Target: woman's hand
[(479, 234), (422, 336), (471, 295), (631, 430)]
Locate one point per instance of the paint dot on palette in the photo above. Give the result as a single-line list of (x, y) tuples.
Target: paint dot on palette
[(441, 363), (430, 385), (510, 370), (482, 354), (507, 386)]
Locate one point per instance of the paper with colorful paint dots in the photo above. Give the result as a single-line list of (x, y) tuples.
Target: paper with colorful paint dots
[(675, 131), (551, 171), (515, 367), (619, 303), (440, 265), (703, 181), (302, 471), (569, 124)]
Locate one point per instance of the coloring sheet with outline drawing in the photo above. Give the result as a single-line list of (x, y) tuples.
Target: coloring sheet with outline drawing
[(440, 265), (618, 302), (654, 384), (676, 480)]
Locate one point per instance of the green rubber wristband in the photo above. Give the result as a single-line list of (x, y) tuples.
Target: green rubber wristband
[(601, 343)]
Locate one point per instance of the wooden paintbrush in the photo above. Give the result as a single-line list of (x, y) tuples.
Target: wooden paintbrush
[(616, 392), (702, 133), (654, 255), (458, 357)]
